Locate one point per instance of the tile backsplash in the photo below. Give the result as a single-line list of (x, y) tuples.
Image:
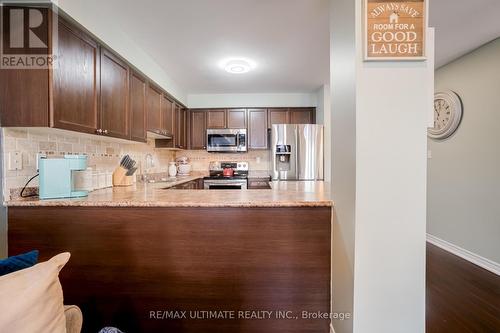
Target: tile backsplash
[(104, 153), (258, 159)]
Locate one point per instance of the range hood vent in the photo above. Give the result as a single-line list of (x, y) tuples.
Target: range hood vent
[(159, 134)]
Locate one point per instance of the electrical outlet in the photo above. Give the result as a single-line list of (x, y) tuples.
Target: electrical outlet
[(15, 161)]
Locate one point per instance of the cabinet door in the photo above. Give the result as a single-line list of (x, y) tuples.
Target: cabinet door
[(302, 116), (167, 112), (180, 137), (198, 129), (236, 118), (257, 128), (154, 108), (137, 107), (24, 97), (216, 118), (75, 83), (114, 112), (278, 116)]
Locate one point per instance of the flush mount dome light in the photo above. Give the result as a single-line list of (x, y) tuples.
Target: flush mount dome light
[(237, 65)]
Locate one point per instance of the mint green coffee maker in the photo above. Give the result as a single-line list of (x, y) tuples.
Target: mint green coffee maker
[(57, 176)]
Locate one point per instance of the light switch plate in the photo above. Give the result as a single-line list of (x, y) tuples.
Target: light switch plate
[(15, 161)]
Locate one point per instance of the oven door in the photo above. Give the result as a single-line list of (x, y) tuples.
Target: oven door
[(225, 184), (224, 140)]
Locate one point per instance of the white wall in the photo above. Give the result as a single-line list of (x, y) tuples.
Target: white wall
[(324, 117), (380, 114), (343, 141), (251, 100), (464, 178), (89, 17)]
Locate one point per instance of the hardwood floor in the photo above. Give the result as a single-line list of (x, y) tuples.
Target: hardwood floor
[(461, 297)]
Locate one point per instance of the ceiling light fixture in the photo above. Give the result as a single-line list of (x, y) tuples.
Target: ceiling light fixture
[(237, 65)]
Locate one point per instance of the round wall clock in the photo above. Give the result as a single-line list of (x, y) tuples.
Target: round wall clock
[(448, 112)]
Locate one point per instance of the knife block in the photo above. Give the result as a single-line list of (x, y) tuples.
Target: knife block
[(120, 177)]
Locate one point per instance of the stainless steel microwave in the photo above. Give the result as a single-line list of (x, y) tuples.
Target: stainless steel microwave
[(227, 140)]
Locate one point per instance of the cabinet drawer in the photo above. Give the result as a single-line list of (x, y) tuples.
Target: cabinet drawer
[(258, 183)]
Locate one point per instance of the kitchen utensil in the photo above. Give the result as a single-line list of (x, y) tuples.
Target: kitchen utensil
[(228, 172), (184, 169), (131, 171), (83, 179), (182, 160), (102, 180), (56, 176), (172, 169), (124, 160), (120, 177), (127, 162)]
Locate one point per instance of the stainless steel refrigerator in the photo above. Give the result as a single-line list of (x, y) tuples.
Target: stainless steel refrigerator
[(296, 152)]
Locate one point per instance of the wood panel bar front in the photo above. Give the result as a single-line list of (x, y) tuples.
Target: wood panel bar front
[(127, 262)]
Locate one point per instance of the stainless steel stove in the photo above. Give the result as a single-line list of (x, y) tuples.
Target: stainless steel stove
[(227, 176)]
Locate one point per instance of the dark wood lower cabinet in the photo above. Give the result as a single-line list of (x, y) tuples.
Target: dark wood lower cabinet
[(196, 184), (259, 183), (128, 263)]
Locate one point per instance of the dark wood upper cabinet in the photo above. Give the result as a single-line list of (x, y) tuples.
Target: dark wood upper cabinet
[(236, 118), (291, 116), (216, 118), (198, 129), (91, 89), (114, 112), (278, 116), (301, 115), (180, 131), (75, 81), (154, 119), (168, 114), (24, 93), (257, 129), (138, 87), (24, 98)]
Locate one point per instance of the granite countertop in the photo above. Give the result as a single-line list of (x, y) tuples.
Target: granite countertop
[(159, 194)]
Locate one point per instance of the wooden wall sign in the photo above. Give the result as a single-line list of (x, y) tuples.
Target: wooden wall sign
[(395, 30)]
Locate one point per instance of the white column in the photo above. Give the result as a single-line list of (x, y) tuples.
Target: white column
[(380, 117)]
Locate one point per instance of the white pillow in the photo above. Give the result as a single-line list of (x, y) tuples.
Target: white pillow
[(32, 299)]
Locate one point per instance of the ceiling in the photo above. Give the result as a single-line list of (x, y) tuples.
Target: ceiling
[(462, 26), (288, 39)]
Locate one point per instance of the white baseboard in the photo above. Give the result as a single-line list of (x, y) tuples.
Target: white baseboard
[(332, 330), (465, 254)]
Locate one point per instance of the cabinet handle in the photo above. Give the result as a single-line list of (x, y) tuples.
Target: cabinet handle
[(99, 131)]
